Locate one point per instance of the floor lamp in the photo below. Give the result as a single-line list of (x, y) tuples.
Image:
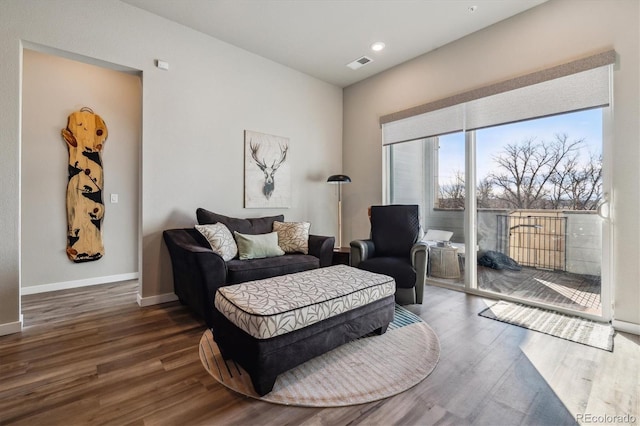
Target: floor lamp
[(339, 180)]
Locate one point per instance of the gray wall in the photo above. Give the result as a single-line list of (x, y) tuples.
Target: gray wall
[(555, 32), (193, 116), (52, 88)]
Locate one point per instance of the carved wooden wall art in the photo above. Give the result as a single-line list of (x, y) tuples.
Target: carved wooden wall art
[(85, 135)]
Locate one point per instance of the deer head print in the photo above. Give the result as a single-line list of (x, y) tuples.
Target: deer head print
[(268, 165)]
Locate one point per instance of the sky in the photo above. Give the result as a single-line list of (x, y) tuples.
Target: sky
[(490, 141)]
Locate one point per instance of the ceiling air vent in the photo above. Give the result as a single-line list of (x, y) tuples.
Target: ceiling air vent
[(360, 62)]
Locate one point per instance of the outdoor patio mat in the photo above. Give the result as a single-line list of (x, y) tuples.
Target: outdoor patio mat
[(575, 329)]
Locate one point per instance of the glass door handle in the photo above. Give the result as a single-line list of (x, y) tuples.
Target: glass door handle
[(603, 208)]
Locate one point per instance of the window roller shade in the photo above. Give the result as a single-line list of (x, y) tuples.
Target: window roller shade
[(587, 89), (575, 86), (438, 122)]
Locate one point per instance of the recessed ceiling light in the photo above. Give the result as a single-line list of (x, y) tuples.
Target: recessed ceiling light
[(377, 46)]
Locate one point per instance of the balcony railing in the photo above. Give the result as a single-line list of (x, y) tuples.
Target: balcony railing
[(576, 240), (538, 241)]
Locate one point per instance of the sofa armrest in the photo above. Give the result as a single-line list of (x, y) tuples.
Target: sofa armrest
[(197, 271), (322, 248), (361, 250)]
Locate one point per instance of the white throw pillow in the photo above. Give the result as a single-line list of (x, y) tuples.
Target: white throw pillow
[(293, 237), (220, 240)]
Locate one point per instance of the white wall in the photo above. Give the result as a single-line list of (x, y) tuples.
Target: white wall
[(193, 119), (52, 88), (553, 33)]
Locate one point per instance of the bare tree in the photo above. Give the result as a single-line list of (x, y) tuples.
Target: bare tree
[(524, 176), (484, 193), (534, 175), (583, 187), (451, 195)]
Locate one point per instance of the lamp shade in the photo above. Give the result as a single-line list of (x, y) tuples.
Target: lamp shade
[(339, 179)]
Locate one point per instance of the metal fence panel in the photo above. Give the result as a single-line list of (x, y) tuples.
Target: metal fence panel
[(537, 241)]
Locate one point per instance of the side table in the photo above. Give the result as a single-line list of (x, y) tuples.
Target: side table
[(341, 256), (443, 262)]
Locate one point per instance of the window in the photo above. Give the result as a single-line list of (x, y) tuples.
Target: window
[(546, 163), (407, 168), (449, 172), (425, 145), (515, 168), (428, 172)]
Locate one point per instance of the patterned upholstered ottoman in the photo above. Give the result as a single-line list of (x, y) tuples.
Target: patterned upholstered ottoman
[(270, 326)]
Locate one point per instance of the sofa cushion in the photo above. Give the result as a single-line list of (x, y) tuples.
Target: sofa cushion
[(397, 267), (293, 237), (258, 225), (239, 271), (220, 240), (257, 246)]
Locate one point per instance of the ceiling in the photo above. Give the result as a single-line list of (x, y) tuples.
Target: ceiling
[(320, 37)]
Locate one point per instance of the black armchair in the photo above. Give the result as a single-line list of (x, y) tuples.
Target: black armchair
[(394, 250)]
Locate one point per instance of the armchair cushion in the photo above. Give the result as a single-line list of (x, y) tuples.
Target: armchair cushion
[(394, 229), (258, 225), (399, 268)]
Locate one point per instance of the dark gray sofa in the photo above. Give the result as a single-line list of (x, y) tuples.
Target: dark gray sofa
[(198, 271)]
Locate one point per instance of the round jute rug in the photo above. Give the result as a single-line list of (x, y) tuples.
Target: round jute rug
[(365, 370)]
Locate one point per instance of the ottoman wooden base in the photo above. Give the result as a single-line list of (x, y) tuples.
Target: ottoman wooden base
[(264, 359)]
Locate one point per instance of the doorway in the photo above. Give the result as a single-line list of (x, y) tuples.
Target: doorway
[(53, 87)]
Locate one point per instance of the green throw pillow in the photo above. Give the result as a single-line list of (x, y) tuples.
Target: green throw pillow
[(257, 246)]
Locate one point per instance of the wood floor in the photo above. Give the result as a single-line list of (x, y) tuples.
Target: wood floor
[(92, 356)]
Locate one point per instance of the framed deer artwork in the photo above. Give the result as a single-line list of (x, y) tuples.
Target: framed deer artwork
[(267, 171)]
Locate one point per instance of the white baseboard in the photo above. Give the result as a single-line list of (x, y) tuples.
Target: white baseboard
[(627, 327), (11, 327), (43, 288), (156, 300)]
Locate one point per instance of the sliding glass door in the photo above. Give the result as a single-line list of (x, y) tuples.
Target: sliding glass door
[(536, 217), (513, 178), (539, 197), (430, 172)]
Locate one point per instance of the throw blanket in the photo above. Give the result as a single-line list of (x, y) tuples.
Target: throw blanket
[(497, 260)]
